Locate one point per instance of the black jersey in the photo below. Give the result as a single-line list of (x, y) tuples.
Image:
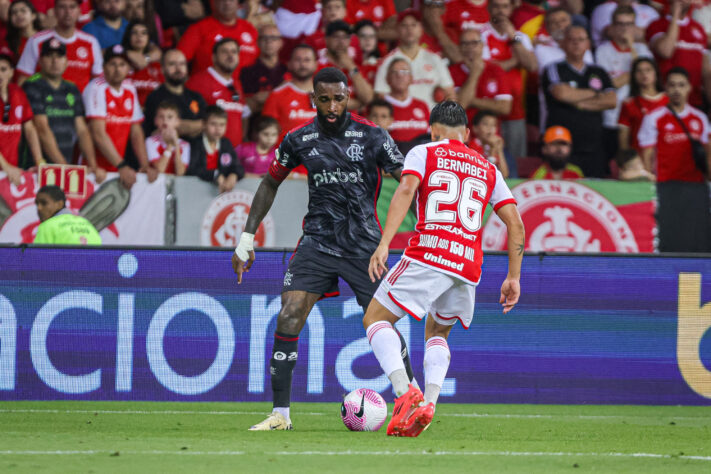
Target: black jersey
[(344, 182)]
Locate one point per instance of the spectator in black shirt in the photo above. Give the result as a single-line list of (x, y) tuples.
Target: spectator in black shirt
[(576, 94), (259, 79), (190, 103), (58, 110)]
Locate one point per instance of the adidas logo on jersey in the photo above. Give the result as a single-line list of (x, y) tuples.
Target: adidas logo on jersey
[(314, 152)]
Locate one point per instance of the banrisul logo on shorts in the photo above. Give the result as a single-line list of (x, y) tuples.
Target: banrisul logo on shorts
[(564, 216), (337, 176)]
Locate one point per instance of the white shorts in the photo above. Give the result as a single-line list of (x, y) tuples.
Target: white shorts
[(414, 289)]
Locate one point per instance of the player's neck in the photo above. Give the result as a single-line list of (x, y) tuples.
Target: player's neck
[(54, 82), (65, 32), (269, 61), (410, 50), (305, 85)]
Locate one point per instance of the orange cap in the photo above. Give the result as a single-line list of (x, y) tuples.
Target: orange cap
[(557, 133)]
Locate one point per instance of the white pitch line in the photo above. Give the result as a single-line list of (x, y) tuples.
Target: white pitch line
[(463, 415), (358, 453)]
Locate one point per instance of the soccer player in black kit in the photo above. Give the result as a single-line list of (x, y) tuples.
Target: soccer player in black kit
[(344, 155)]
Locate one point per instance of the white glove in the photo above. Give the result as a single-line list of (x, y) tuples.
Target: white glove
[(246, 245)]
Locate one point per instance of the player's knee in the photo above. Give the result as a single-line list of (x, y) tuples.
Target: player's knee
[(290, 319)]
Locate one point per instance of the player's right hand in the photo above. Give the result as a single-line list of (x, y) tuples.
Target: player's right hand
[(378, 263), (240, 266), (510, 293)]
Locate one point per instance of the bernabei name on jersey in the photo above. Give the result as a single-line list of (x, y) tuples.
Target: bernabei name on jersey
[(452, 229), (461, 166)]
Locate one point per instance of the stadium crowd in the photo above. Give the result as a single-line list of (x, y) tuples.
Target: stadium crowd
[(553, 89)]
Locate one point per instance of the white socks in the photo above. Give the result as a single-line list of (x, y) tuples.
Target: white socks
[(284, 411), (386, 347), (436, 364)]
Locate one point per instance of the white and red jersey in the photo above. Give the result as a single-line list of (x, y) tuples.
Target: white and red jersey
[(18, 113), (290, 106), (464, 15), (84, 57), (456, 184), (689, 51), (376, 11), (147, 80), (411, 118), (119, 108), (216, 90), (198, 40), (492, 83), (634, 109), (155, 147), (499, 49), (660, 129)]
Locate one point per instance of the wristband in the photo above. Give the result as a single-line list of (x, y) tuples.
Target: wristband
[(121, 165), (246, 245)]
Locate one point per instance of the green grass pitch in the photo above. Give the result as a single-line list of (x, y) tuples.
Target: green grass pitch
[(156, 437)]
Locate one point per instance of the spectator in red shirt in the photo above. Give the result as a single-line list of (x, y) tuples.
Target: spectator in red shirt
[(368, 52), (290, 103), (646, 95), (338, 54), (16, 120), (513, 51), (410, 115), (198, 41), (167, 152), (259, 79), (115, 117), (381, 12), (487, 141), (683, 217), (557, 147), (83, 50), (480, 85), (678, 40), (331, 10), (23, 23), (144, 58), (217, 87), (465, 14)]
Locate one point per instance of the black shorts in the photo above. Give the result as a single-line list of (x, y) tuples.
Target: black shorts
[(317, 272)]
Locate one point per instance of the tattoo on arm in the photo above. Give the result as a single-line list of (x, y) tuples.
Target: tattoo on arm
[(521, 246)]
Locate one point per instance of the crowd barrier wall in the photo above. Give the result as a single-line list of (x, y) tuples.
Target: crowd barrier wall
[(165, 324)]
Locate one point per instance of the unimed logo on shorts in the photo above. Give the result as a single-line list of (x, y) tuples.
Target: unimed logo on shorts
[(564, 216), (225, 218)]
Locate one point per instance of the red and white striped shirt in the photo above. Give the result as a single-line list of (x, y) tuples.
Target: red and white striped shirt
[(119, 108), (456, 184), (84, 57), (290, 106)]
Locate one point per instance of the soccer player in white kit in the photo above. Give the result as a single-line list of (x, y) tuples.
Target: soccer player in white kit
[(441, 267)]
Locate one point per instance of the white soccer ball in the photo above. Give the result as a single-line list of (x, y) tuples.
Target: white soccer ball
[(364, 410)]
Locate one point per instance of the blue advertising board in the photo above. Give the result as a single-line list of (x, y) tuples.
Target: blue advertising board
[(152, 324)]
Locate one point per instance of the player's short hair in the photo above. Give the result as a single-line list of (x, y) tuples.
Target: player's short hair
[(677, 70), (481, 115), (264, 122), (398, 60), (623, 10), (330, 75), (8, 59), (326, 2), (380, 103), (55, 193), (215, 111), (222, 41), (168, 105), (304, 46), (449, 113)]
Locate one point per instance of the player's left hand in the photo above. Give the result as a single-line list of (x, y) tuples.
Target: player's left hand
[(378, 263), (240, 266), (510, 293)]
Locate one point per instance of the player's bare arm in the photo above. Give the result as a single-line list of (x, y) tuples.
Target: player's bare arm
[(397, 174), (511, 288), (244, 256), (399, 206)]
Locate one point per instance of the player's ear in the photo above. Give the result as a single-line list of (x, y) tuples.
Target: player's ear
[(467, 132)]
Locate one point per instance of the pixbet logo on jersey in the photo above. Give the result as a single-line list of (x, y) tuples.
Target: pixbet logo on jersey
[(564, 216), (337, 176)]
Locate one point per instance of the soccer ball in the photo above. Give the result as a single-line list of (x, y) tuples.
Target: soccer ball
[(364, 410)]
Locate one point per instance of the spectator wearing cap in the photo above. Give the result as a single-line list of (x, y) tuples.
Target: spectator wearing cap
[(557, 146), (340, 54), (190, 103), (16, 120), (84, 57), (259, 79), (513, 51), (480, 85), (59, 110), (430, 72), (678, 40), (199, 39), (115, 117), (576, 94), (217, 87), (410, 115), (381, 12), (109, 25), (601, 19)]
